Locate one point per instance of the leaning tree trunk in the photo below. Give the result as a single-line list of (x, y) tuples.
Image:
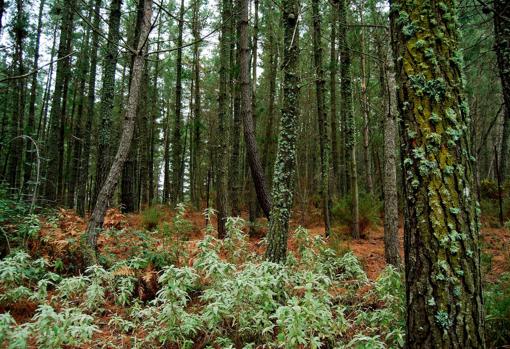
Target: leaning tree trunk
[(285, 164), (321, 116), (97, 217), (442, 247), (502, 48), (257, 172)]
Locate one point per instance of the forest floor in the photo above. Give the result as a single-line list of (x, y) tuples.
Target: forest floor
[(125, 237), (370, 249)]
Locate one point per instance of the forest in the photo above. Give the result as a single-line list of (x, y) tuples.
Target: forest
[(254, 174)]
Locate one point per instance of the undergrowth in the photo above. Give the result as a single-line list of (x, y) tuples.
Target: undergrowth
[(224, 296)]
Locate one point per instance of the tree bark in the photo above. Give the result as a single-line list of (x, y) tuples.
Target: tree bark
[(322, 120), (442, 246), (177, 134), (257, 172), (104, 151), (365, 106), (55, 142), (222, 136), (350, 137), (388, 95), (502, 48), (97, 217), (91, 96), (333, 58), (285, 165), (33, 96)]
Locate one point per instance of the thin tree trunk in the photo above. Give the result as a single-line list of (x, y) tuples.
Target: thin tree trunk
[(350, 138), (196, 187), (502, 48), (97, 217), (104, 151), (333, 58), (91, 96), (222, 134), (58, 106), (177, 134), (33, 96), (247, 112), (322, 120), (388, 95), (365, 108)]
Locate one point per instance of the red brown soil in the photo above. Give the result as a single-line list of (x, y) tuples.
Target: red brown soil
[(370, 250)]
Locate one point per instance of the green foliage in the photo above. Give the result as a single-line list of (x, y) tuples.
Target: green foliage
[(228, 293), (369, 211), (497, 308), (150, 217)]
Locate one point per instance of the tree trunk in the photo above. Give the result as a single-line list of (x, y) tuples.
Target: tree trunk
[(324, 142), (196, 183), (222, 135), (104, 151), (177, 134), (97, 217), (57, 115), (91, 96), (365, 106), (78, 134), (333, 58), (285, 165), (16, 143), (350, 137), (502, 48), (29, 161), (388, 95), (257, 172), (442, 246)]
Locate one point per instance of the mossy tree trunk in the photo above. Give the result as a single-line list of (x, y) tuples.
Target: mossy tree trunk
[(442, 249), (285, 164)]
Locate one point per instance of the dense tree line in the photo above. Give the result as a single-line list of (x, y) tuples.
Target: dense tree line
[(274, 108)]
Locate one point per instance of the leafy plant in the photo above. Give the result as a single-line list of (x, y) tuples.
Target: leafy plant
[(369, 211), (150, 217)]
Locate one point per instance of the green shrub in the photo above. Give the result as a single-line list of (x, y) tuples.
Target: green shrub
[(497, 308), (150, 217), (488, 188), (370, 209)]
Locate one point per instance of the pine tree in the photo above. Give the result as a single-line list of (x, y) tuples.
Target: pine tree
[(442, 247), (285, 164)]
